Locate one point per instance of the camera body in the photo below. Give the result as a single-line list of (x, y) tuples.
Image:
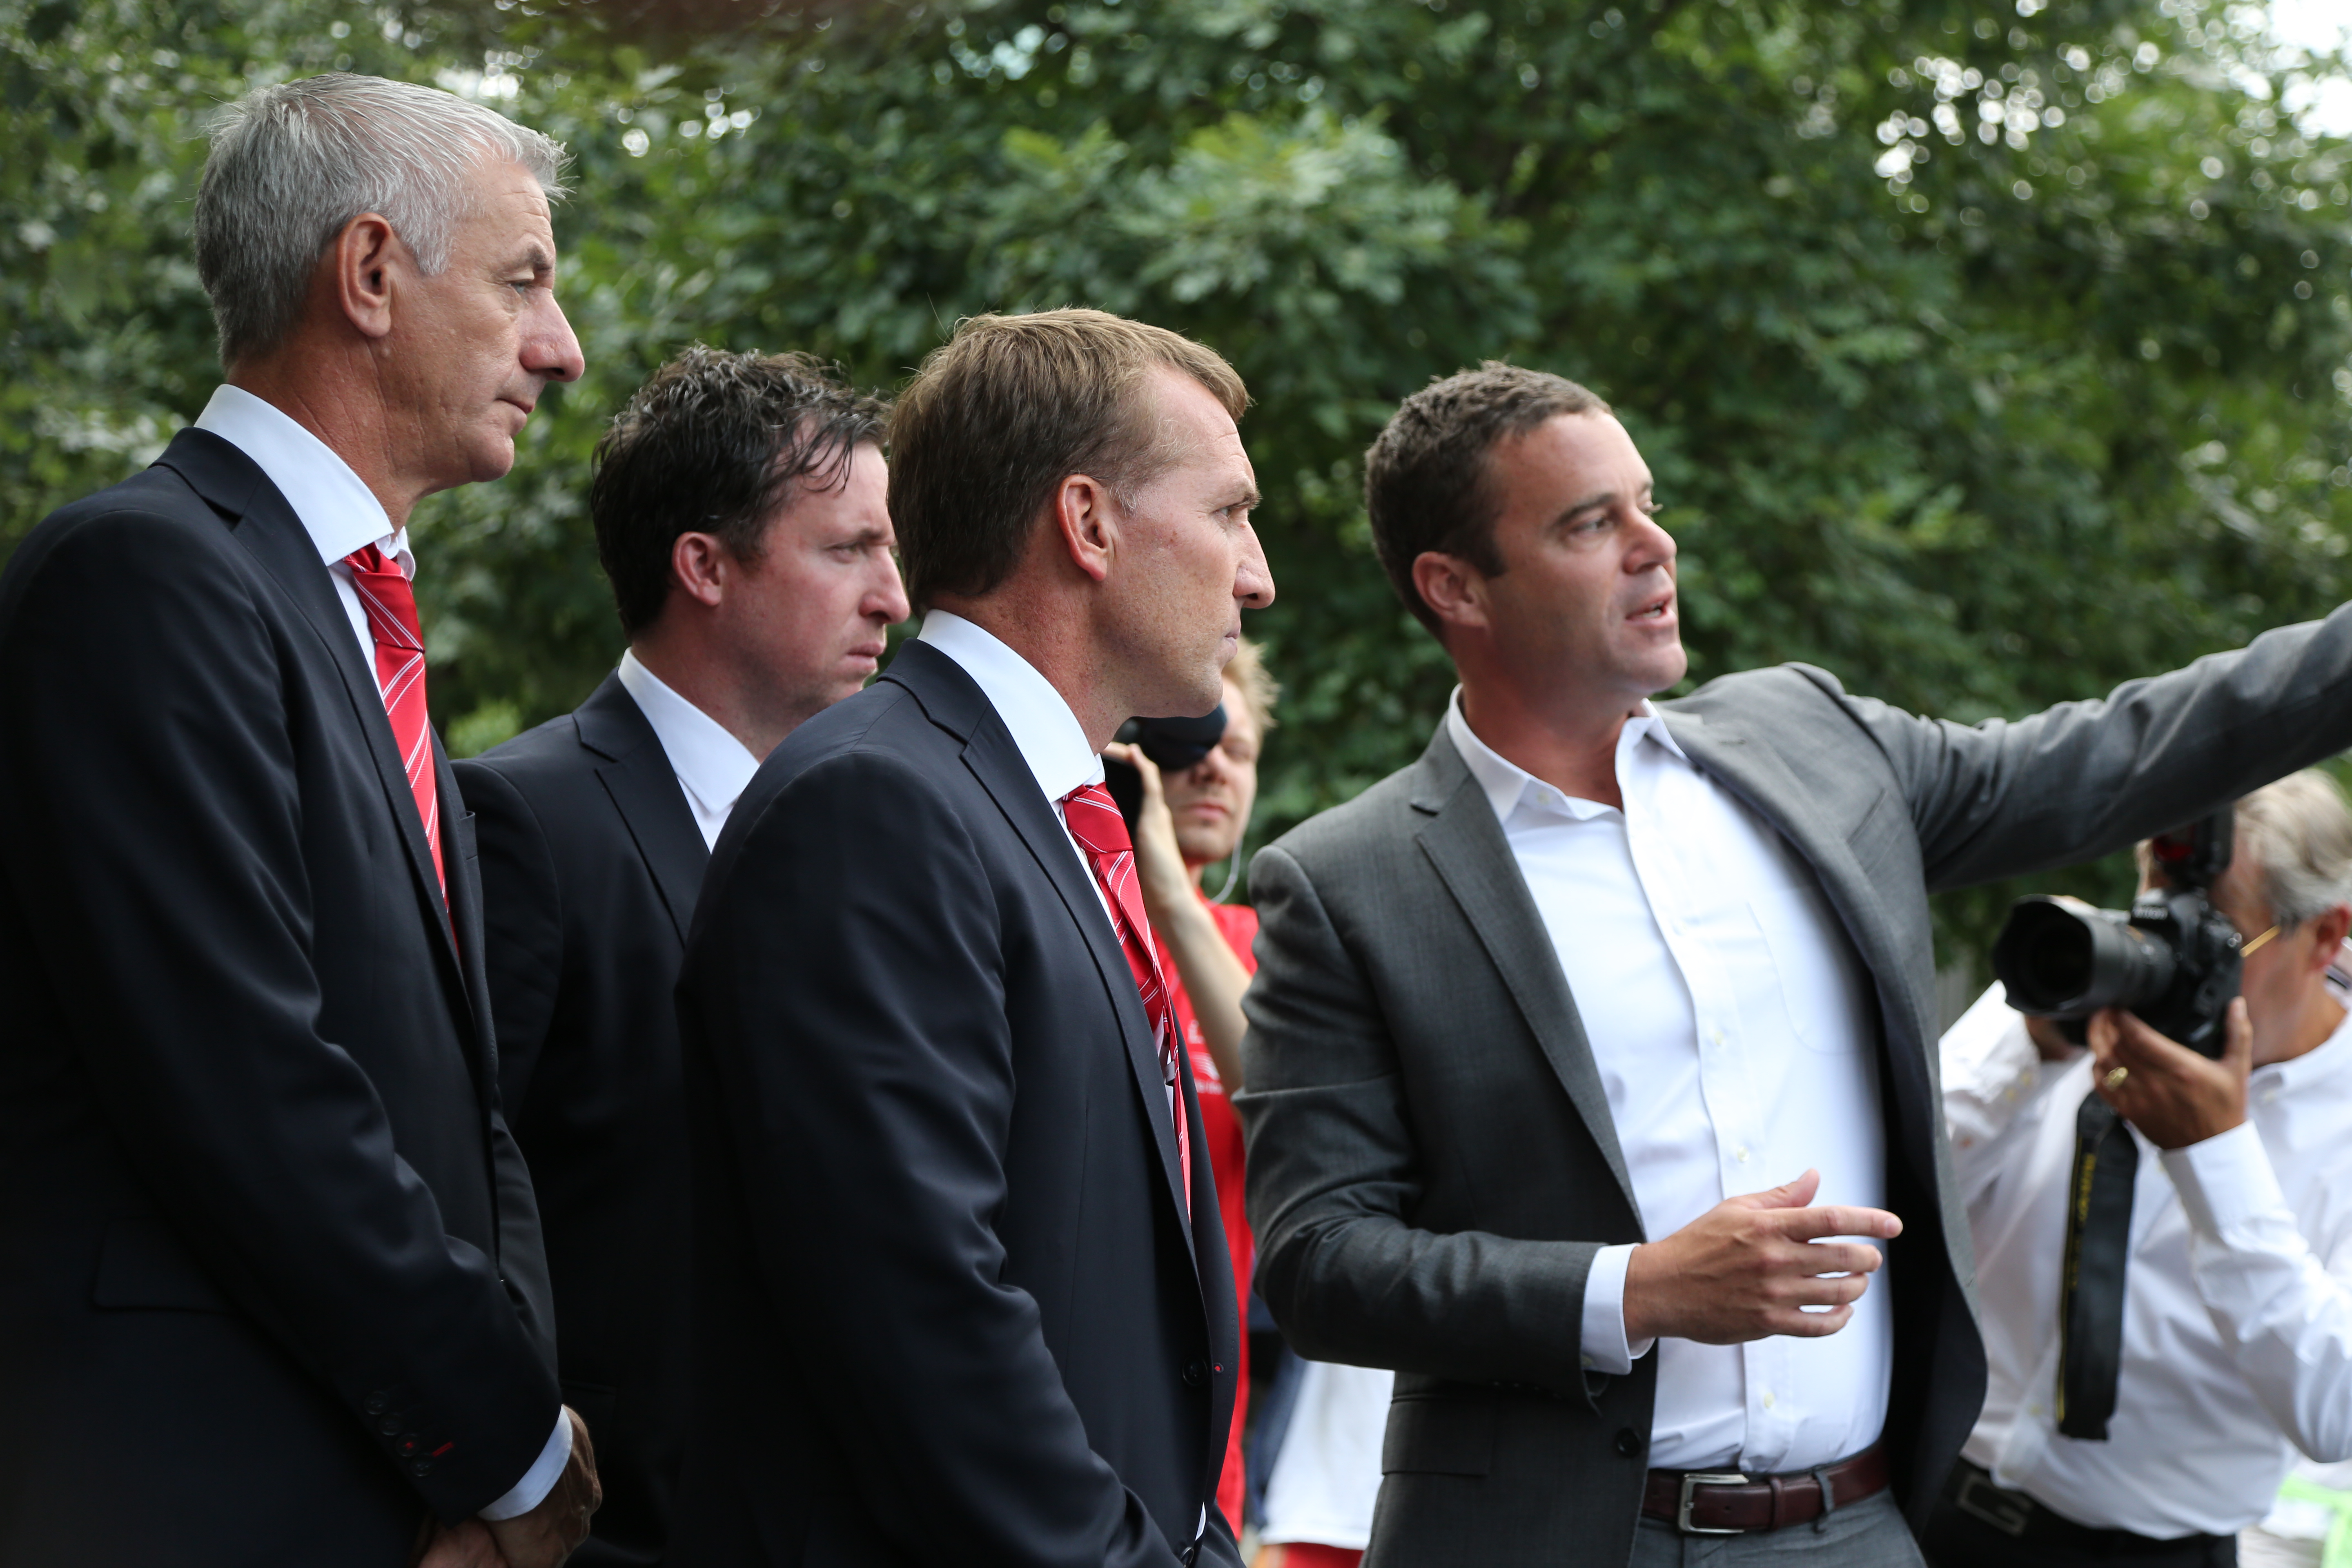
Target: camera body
[(2172, 960), (1175, 745)]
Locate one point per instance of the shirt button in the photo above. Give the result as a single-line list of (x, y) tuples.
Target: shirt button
[(1718, 1036), (1768, 1399), (1741, 1153)]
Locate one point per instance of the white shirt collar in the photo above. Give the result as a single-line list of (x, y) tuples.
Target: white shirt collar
[(1507, 783), (1051, 740), (709, 762), (336, 508)]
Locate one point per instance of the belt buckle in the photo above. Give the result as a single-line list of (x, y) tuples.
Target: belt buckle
[(2007, 1512), (1692, 1480)]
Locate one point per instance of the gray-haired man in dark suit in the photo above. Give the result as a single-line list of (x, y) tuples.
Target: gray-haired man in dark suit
[(1540, 1021)]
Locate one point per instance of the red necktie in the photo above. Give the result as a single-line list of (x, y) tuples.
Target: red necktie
[(391, 605), (1094, 822)]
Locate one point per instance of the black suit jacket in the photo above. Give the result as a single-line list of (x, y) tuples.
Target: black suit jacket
[(948, 1304), (590, 859), (271, 1258)]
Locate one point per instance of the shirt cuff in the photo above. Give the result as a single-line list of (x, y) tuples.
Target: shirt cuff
[(1602, 1337), (540, 1480), (2226, 1182)]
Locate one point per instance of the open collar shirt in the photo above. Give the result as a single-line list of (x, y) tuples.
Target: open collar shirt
[(2238, 1296), (1731, 1023)]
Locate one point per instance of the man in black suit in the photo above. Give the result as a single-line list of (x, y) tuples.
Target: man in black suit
[(740, 512), (273, 1289), (961, 1289)]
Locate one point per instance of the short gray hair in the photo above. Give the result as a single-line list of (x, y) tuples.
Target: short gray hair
[(2299, 834), (291, 164)]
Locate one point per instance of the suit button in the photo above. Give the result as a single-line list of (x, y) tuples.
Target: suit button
[(377, 1403), (420, 1468), (1196, 1373), (1629, 1442), (1191, 1550), (406, 1447), (389, 1425)]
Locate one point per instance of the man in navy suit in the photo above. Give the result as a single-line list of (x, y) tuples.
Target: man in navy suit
[(740, 512), (274, 1290), (962, 1294)]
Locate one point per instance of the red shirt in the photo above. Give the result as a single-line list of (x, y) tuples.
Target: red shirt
[(1221, 1135)]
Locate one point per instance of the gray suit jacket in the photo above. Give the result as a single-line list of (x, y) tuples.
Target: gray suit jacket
[(1432, 1159)]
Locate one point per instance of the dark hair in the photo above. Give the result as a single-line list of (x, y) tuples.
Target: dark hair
[(1008, 408), (1426, 479), (710, 445)]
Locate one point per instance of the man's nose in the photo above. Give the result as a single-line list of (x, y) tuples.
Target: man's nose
[(887, 598), (1253, 583), (552, 351), (1653, 546)]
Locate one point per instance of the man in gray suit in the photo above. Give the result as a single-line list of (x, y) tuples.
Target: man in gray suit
[(1540, 1019)]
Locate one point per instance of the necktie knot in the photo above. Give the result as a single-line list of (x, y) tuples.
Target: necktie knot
[(1094, 822)]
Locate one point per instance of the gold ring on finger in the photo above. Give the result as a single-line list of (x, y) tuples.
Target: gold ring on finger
[(2115, 1078)]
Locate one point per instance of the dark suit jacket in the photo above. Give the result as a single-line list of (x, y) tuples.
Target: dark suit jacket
[(1432, 1159), (590, 859), (948, 1305), (271, 1254)]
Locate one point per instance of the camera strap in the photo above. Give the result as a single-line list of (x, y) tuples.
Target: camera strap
[(2098, 1245)]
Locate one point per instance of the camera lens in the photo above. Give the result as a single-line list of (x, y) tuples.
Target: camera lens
[(2060, 961)]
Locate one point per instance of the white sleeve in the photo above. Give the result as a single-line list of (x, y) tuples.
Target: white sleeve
[(1992, 1071), (2285, 1315), (540, 1480), (1603, 1332)]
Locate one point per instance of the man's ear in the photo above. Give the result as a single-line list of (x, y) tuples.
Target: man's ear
[(699, 567), (1086, 523), (1455, 591), (2329, 929), (364, 258)]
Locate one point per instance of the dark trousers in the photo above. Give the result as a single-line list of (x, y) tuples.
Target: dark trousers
[(1979, 1525)]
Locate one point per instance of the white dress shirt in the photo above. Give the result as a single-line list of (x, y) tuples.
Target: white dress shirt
[(1730, 1024), (2238, 1299), (712, 766), (340, 514)]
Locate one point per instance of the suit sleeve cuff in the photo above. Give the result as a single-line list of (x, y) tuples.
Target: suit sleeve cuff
[(1603, 1329), (2226, 1184), (540, 1480)]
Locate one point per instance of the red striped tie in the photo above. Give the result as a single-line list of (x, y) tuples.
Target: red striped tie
[(391, 605), (1094, 822)]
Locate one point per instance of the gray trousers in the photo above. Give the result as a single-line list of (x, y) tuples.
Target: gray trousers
[(1866, 1534)]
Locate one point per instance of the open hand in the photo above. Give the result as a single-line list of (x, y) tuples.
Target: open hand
[(2173, 1095), (551, 1533), (1746, 1267)]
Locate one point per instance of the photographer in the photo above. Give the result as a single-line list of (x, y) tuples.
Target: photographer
[(2237, 1296), (1190, 820)]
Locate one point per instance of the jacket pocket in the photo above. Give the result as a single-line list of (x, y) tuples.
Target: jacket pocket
[(142, 1266), (1439, 1434)]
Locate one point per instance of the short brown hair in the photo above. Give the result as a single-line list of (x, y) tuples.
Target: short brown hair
[(1003, 412), (710, 445), (1426, 479)]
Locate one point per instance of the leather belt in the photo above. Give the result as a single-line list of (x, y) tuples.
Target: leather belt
[(1713, 1502)]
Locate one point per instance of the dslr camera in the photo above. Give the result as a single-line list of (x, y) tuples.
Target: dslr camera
[(2172, 960), (1175, 745)]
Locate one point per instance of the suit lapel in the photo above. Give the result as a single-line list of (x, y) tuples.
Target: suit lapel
[(996, 763), (276, 538), (644, 790), (1465, 844)]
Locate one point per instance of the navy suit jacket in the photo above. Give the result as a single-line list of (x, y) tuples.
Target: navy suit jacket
[(948, 1303), (272, 1286), (591, 860)]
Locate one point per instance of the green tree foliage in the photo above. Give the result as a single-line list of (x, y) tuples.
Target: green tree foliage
[(1987, 359)]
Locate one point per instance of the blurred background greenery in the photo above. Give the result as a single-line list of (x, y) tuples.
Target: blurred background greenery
[(1987, 355)]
